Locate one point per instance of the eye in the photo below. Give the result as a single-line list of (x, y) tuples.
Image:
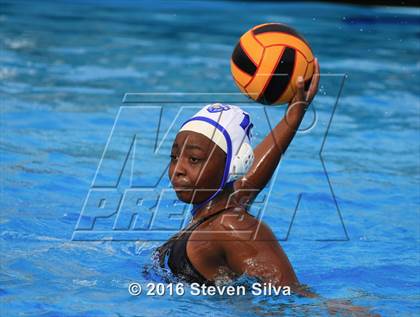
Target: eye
[(173, 157), (194, 160)]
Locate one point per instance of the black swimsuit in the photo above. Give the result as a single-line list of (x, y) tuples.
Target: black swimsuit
[(174, 254)]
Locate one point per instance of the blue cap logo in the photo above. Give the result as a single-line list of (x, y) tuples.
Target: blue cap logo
[(217, 107)]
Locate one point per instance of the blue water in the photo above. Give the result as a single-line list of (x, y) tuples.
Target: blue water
[(64, 71)]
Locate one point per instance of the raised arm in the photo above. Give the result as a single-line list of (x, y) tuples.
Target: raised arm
[(269, 152)]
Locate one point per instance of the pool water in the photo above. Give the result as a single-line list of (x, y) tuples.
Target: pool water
[(348, 218)]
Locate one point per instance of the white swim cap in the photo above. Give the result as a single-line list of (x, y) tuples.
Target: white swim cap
[(230, 128)]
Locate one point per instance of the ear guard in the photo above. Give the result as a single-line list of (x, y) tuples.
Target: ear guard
[(241, 162)]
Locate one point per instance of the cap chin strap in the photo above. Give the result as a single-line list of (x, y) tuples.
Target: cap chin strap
[(228, 159), (197, 207), (240, 165)]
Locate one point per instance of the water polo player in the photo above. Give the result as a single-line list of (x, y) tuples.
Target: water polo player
[(214, 168)]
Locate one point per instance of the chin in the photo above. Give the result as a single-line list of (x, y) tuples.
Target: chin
[(187, 196)]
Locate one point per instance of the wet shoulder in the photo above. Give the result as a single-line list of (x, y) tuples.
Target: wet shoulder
[(240, 225), (235, 219)]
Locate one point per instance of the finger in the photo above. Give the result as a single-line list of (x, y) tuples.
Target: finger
[(300, 89), (315, 81), (316, 64), (313, 88)]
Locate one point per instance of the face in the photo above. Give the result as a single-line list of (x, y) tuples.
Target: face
[(196, 168)]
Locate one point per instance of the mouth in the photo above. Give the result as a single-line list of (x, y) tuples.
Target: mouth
[(181, 187), (183, 192)]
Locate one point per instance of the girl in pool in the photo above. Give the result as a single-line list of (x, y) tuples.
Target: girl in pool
[(214, 168)]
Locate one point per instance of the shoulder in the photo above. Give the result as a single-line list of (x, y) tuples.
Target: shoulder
[(238, 224), (235, 219)]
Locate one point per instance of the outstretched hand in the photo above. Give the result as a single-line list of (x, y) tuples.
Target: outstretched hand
[(268, 153), (303, 96)]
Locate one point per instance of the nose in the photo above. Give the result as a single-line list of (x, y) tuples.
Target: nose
[(179, 169)]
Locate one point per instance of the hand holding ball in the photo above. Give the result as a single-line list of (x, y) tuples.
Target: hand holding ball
[(267, 61)]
